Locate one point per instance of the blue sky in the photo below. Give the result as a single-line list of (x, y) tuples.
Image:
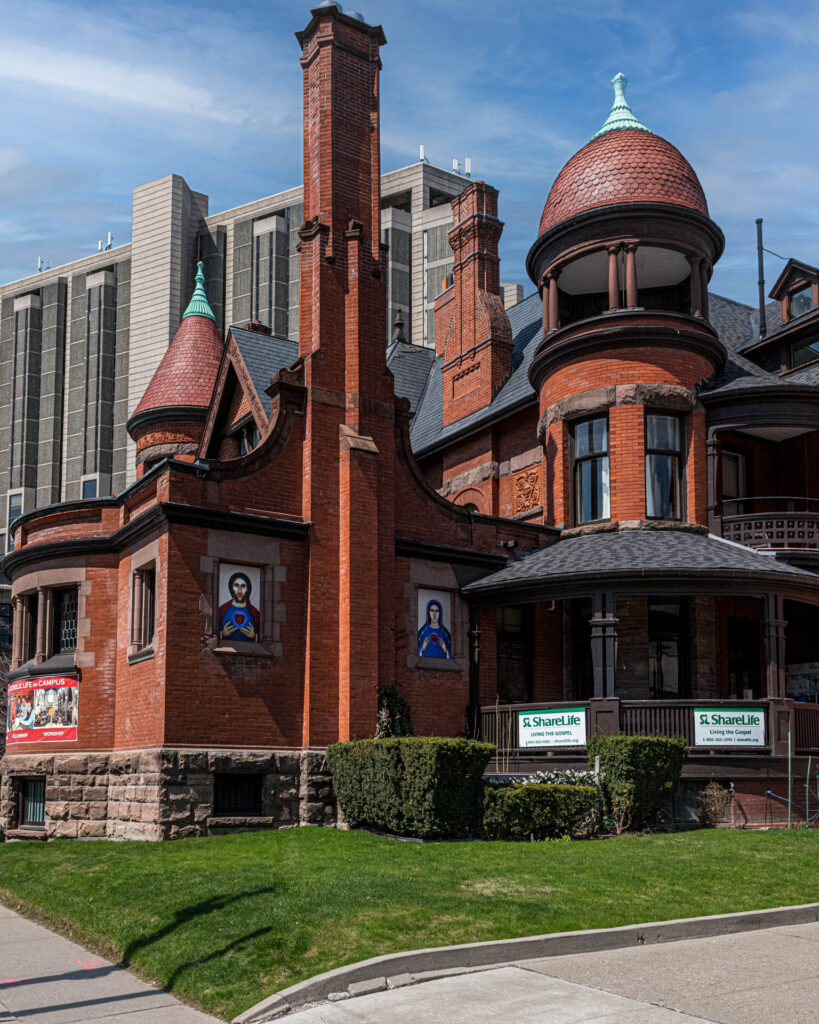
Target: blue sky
[(98, 97)]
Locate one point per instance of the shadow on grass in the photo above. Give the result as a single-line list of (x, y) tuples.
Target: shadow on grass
[(188, 914)]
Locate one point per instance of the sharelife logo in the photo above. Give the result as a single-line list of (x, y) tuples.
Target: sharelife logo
[(536, 721), (719, 718)]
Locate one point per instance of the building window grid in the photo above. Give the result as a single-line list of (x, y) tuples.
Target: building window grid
[(20, 364), (590, 470), (93, 380), (664, 466)]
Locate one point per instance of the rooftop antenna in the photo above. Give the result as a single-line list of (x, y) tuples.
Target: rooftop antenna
[(99, 246), (422, 155), (109, 242), (456, 166), (42, 264), (468, 166), (763, 327)]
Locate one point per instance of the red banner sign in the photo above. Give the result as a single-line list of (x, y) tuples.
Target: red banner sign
[(43, 710)]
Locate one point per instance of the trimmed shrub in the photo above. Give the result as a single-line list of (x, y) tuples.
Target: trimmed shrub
[(535, 810), (639, 774), (424, 786)]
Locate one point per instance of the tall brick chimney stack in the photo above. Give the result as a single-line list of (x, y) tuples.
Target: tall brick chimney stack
[(349, 441), (475, 333)]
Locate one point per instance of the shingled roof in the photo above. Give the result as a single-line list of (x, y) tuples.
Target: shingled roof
[(263, 355), (634, 554), (187, 372)]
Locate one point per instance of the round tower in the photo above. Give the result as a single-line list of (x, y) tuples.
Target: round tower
[(170, 417), (622, 262)]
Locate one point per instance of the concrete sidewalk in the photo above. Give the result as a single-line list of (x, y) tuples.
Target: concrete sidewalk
[(45, 979), (760, 977)]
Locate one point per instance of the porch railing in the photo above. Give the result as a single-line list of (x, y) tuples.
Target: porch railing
[(772, 522), (500, 725)]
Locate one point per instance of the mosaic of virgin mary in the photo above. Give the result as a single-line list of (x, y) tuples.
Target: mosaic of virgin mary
[(434, 640), (238, 618)]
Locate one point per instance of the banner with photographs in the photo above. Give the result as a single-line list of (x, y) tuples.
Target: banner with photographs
[(43, 710)]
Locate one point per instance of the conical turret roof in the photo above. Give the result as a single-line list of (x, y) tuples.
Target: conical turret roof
[(187, 373)]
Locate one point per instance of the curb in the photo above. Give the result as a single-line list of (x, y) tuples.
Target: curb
[(398, 969)]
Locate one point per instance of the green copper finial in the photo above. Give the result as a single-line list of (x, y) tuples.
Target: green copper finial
[(199, 305), (621, 115)]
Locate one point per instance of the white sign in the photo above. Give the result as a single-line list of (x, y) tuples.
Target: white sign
[(558, 727), (729, 727)]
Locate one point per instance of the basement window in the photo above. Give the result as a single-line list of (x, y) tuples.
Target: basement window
[(237, 795), (32, 803)]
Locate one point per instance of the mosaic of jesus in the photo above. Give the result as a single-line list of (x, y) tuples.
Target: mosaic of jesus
[(238, 616)]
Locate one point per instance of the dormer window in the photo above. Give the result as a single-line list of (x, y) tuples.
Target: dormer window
[(801, 301)]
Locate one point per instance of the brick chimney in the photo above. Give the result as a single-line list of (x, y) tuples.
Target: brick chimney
[(349, 439), (472, 330)]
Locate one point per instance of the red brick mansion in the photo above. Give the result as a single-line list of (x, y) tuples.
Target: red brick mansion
[(602, 499)]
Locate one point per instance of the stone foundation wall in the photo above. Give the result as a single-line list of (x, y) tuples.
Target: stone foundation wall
[(167, 793)]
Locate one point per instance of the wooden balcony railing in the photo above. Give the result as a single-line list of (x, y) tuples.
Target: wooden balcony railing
[(501, 725), (772, 522)]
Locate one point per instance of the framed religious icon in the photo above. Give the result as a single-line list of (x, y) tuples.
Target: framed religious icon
[(239, 590), (434, 623)]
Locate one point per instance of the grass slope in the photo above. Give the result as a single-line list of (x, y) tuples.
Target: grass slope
[(228, 920)]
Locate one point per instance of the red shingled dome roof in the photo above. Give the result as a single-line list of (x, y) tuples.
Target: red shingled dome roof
[(623, 166), (187, 372)]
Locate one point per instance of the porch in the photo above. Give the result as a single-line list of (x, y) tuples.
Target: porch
[(718, 733)]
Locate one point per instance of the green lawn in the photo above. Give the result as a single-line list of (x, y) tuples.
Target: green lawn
[(228, 920)]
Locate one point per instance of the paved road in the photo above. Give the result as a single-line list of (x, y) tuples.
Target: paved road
[(45, 979), (769, 976)]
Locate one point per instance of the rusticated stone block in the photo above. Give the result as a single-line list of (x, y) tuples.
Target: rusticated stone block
[(93, 829)]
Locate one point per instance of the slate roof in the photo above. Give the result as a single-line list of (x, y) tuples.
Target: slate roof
[(628, 165), (410, 365), (264, 355), (427, 429), (631, 554)]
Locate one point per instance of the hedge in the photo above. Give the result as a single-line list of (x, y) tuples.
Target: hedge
[(639, 774), (535, 810), (423, 786)]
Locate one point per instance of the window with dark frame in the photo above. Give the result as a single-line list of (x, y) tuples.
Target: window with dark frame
[(64, 621), (143, 609), (802, 301), (15, 511), (668, 648), (31, 609), (590, 451), (148, 606), (664, 466)]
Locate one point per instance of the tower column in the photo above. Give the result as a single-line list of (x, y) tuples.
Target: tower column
[(631, 275), (614, 285), (554, 309), (696, 285)]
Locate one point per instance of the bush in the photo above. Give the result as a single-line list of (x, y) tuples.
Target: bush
[(639, 774), (713, 802), (394, 718), (535, 811), (423, 786)]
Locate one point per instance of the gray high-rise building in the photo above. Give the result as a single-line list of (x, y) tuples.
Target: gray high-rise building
[(79, 343)]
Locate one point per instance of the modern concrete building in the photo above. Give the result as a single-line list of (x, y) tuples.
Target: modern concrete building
[(80, 342)]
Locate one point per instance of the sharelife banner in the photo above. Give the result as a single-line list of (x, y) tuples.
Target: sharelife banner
[(729, 727), (43, 710), (558, 727)]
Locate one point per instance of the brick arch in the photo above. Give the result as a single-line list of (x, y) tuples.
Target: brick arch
[(472, 496)]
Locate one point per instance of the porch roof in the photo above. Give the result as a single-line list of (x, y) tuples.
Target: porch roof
[(633, 556)]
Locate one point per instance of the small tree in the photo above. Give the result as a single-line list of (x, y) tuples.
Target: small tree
[(394, 718), (713, 804)]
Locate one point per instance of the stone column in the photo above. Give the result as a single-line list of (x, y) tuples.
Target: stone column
[(40, 653), (554, 310), (631, 274), (136, 609), (544, 292), (18, 625), (774, 646), (713, 451), (614, 284), (696, 285)]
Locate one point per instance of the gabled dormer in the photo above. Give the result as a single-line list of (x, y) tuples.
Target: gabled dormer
[(796, 289)]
